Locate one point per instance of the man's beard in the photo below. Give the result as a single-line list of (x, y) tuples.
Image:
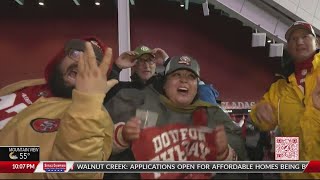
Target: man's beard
[(57, 85)]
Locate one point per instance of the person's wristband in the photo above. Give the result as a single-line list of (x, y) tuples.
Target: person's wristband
[(119, 135)]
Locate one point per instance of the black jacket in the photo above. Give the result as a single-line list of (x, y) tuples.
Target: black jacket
[(136, 82)]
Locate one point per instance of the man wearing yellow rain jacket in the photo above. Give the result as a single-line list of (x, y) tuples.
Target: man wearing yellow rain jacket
[(294, 104), (63, 114)]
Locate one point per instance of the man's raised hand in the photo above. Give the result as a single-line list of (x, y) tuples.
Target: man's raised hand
[(91, 77)]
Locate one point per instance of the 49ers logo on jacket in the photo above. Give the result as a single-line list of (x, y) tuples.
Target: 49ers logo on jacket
[(174, 142), (43, 125), (185, 60)]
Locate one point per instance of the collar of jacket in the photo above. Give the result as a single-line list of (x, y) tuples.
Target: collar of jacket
[(315, 65), (187, 109)]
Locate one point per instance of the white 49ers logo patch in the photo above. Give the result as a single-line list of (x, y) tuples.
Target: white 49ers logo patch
[(43, 125), (144, 48), (184, 60)]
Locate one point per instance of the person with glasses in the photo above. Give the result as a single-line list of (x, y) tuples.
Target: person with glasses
[(63, 113), (146, 62), (143, 61)]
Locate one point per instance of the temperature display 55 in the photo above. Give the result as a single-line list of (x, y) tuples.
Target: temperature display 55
[(19, 153)]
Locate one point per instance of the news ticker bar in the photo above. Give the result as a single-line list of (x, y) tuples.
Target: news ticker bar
[(160, 166)]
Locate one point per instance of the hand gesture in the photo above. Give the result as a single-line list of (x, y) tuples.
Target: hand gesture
[(265, 112), (316, 94), (126, 60), (131, 130), (92, 78), (221, 142), (160, 55)]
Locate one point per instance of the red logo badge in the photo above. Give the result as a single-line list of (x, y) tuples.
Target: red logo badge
[(45, 125), (55, 166)]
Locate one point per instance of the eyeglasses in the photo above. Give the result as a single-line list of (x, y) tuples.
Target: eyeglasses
[(74, 54), (149, 61)]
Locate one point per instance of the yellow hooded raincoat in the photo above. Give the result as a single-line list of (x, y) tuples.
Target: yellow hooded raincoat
[(295, 115)]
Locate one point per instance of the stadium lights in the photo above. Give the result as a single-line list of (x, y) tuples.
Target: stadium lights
[(41, 2), (181, 3), (97, 2)]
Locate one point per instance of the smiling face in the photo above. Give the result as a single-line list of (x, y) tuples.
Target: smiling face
[(63, 80), (69, 67), (61, 71), (145, 67), (181, 87), (301, 45)]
